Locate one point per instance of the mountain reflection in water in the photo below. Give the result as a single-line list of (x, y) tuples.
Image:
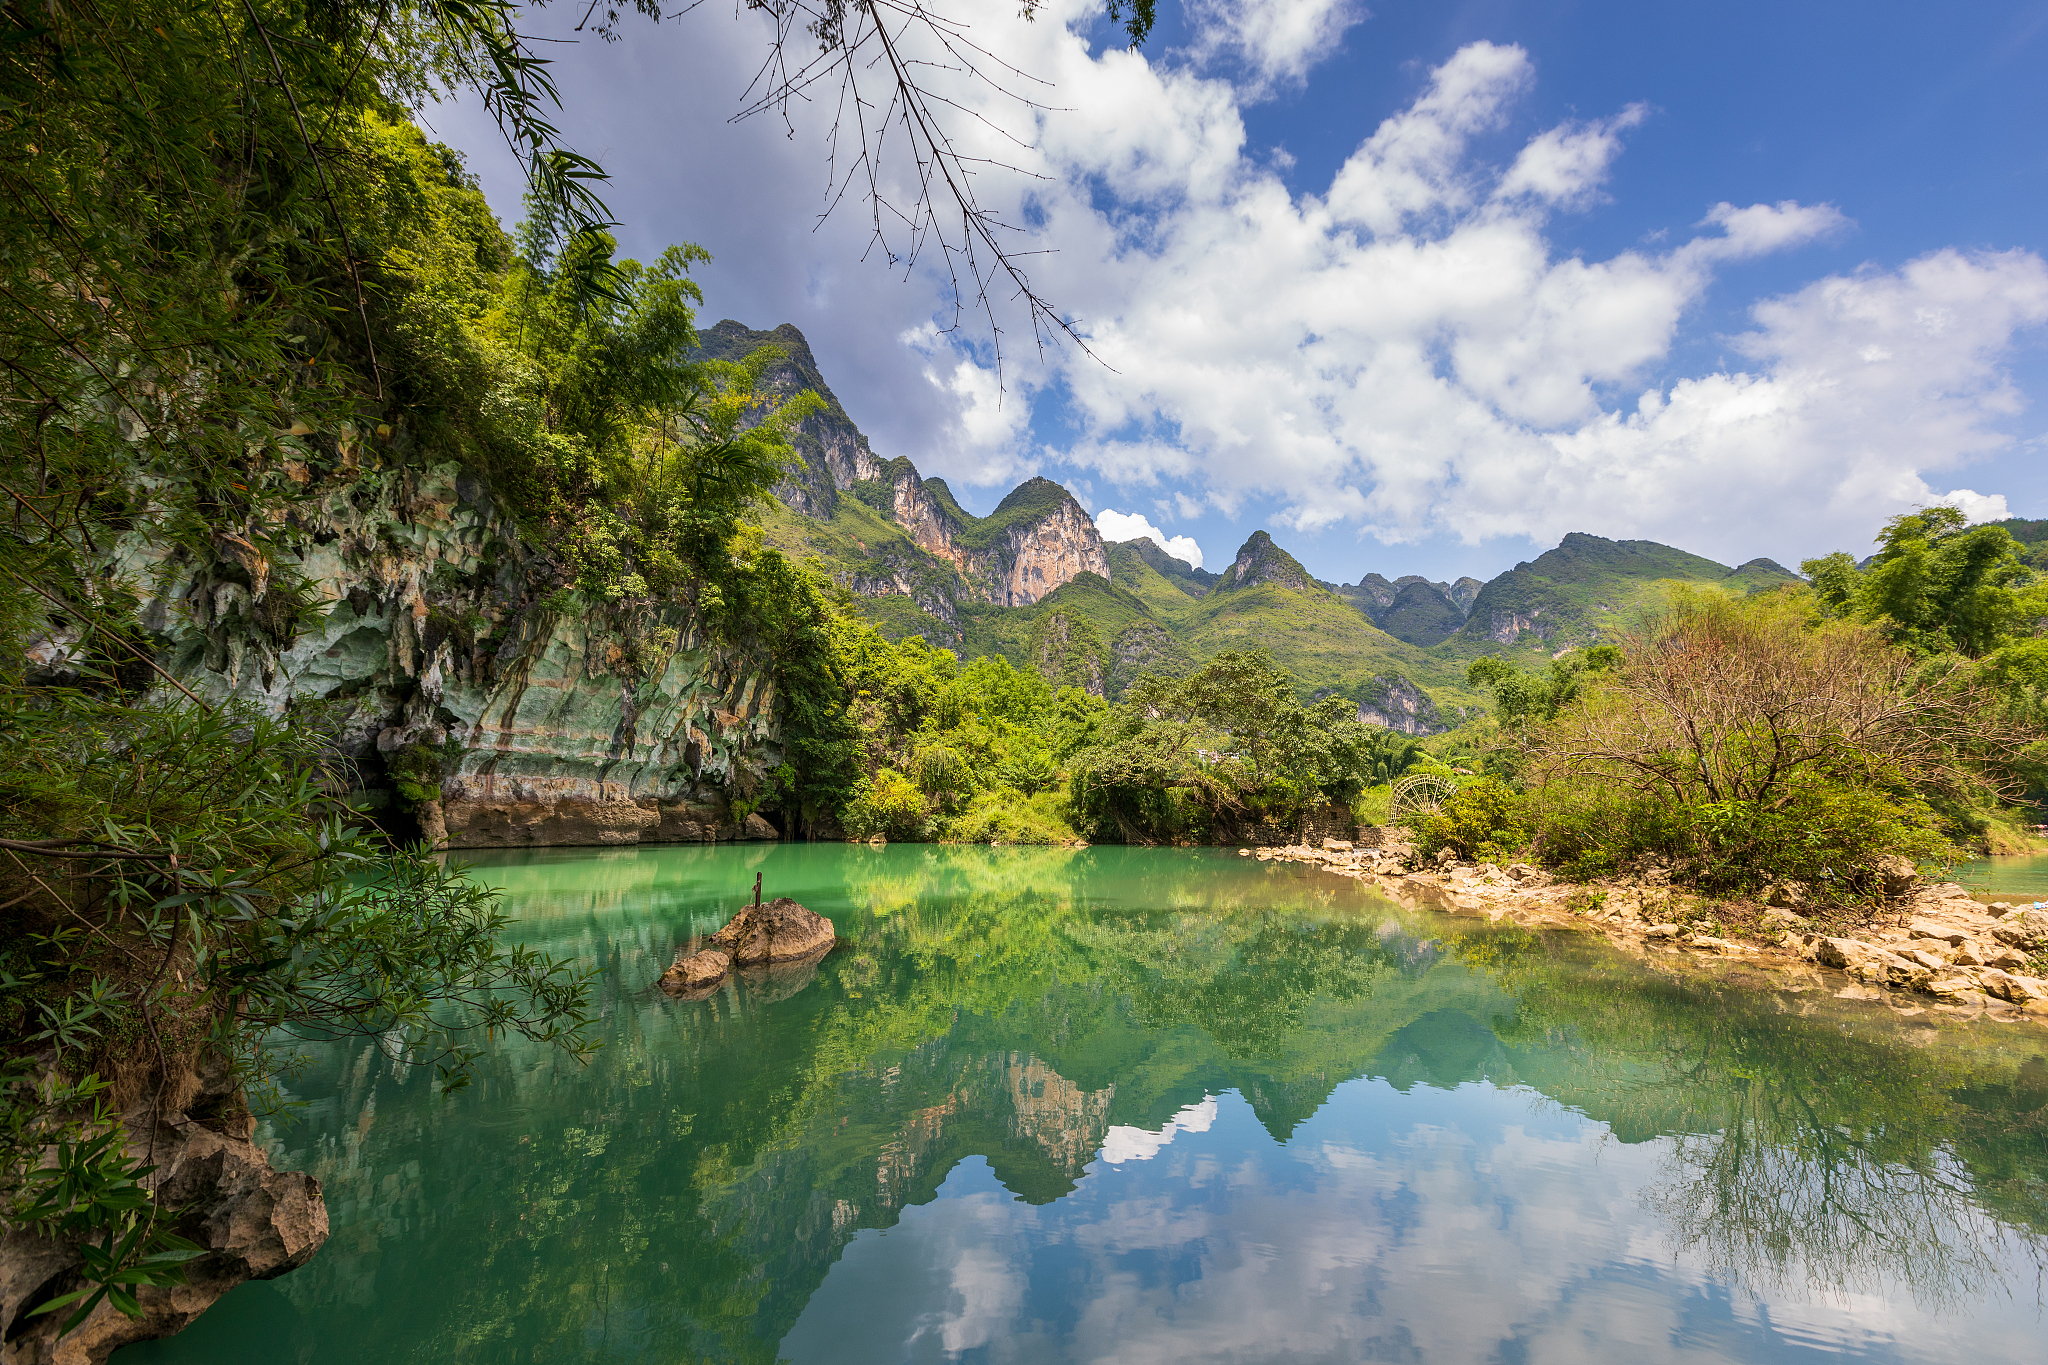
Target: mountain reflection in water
[(1056, 1105)]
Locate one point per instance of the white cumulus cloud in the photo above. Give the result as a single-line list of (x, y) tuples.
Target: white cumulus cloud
[(1405, 350), (1277, 40), (1409, 354), (1116, 526), (1978, 507)]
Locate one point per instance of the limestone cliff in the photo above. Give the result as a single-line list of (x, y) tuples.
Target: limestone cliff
[(1398, 704), (836, 455), (408, 617), (925, 509), (1037, 538)]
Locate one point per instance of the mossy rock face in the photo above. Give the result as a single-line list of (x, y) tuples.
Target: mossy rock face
[(451, 667)]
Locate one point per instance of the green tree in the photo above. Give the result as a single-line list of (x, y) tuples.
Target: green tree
[(1743, 742), (1936, 585), (1193, 758), (1523, 700)]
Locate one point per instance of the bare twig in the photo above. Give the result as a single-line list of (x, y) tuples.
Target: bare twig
[(860, 43)]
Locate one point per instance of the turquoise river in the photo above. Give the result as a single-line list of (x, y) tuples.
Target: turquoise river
[(1156, 1106)]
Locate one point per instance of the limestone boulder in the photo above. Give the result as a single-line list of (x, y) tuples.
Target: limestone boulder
[(780, 931), (758, 828), (252, 1222), (1785, 895), (1998, 955), (696, 971), (1866, 962), (1959, 987), (2020, 990), (2025, 929), (1898, 877)]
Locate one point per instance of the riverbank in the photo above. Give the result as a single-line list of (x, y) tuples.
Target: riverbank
[(1938, 948)]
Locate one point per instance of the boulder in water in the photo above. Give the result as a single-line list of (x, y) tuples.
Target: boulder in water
[(696, 971), (772, 935), (780, 931)]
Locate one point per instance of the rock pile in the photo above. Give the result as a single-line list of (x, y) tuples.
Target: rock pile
[(780, 933), (1951, 947), (1941, 943)]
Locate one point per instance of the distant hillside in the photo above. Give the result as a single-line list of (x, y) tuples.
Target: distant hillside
[(1033, 581), (1411, 607), (2032, 534), (1587, 588), (1190, 580)]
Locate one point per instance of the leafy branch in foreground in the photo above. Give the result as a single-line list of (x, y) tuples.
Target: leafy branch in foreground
[(176, 883)]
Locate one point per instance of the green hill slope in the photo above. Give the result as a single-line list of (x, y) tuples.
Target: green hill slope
[(1587, 589)]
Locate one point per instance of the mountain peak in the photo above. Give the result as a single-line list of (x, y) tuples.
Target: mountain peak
[(836, 455), (1259, 560), (1035, 494)]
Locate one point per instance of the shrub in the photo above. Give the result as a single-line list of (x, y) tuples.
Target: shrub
[(1745, 742), (1008, 816), (1484, 819), (889, 805), (942, 773), (1029, 773), (1829, 835)]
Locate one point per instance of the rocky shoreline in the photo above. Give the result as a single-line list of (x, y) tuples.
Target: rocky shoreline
[(1937, 948)]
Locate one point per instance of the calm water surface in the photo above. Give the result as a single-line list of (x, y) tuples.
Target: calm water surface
[(1145, 1105), (2026, 876)]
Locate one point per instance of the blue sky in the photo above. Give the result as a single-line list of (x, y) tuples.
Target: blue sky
[(1392, 285)]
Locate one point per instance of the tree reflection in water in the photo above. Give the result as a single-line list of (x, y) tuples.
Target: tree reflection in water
[(686, 1195), (1814, 1147)]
